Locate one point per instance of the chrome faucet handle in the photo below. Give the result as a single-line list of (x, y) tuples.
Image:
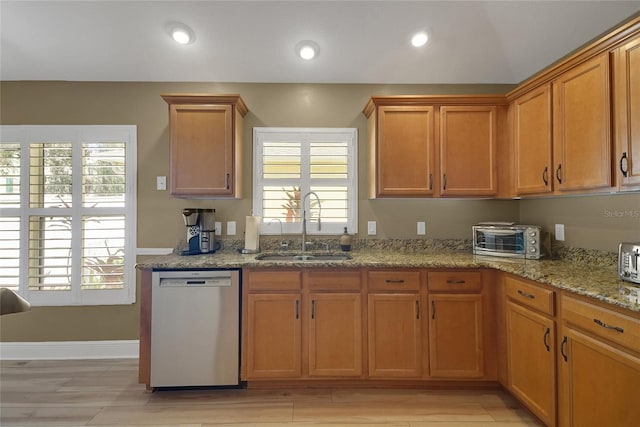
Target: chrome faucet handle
[(325, 245), (283, 245)]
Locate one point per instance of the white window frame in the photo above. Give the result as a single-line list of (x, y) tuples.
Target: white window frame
[(305, 136), (77, 134)]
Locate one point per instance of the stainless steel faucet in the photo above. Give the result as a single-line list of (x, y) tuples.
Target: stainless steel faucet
[(304, 218)]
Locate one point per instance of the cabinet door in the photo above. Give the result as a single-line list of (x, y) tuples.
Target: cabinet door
[(394, 335), (532, 141), (274, 336), (627, 114), (335, 335), (581, 127), (600, 384), (201, 150), (456, 346), (531, 361), (468, 150), (405, 150)]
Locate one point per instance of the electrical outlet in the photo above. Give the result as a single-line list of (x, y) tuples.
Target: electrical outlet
[(161, 183), (231, 228), (218, 228), (422, 228), (560, 232), (371, 228)]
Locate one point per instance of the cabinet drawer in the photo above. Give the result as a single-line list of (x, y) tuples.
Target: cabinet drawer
[(336, 280), (273, 280), (400, 280), (530, 295), (612, 326), (454, 281)]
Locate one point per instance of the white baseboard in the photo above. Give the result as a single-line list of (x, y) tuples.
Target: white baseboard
[(57, 350)]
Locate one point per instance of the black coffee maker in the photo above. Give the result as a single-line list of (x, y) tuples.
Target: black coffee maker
[(201, 238)]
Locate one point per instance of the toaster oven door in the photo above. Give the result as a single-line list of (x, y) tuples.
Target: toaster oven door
[(499, 242)]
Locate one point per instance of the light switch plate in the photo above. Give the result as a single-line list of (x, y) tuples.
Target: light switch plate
[(218, 229), (231, 228), (161, 183), (371, 228), (560, 232), (421, 228)]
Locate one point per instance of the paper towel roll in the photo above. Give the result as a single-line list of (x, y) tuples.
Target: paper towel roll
[(252, 233)]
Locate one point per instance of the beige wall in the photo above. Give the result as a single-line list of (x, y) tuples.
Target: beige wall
[(312, 105)]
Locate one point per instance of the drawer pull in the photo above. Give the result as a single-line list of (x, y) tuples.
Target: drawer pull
[(526, 295), (456, 282), (604, 325), (562, 346), (544, 339), (394, 281)]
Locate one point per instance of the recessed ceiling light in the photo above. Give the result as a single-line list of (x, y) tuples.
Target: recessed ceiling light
[(307, 49), (181, 33), (419, 39)]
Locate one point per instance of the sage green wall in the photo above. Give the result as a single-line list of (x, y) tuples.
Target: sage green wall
[(313, 105)]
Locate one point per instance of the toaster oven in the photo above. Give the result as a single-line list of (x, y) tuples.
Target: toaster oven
[(629, 262), (508, 240)]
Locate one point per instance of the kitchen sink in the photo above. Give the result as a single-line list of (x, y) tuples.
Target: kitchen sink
[(310, 257)]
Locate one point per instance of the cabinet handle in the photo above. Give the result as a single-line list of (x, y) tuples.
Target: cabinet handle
[(604, 325), (228, 178), (544, 339), (456, 282), (399, 281), (431, 181), (545, 176), (562, 346), (313, 309), (297, 309), (526, 295), (417, 309), (444, 181), (624, 172), (558, 173), (433, 309)]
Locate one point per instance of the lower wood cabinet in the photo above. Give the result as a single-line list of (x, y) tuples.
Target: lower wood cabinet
[(273, 336), (335, 335), (531, 354), (395, 336), (599, 366)]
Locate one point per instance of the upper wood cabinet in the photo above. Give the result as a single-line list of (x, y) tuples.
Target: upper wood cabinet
[(468, 150), (581, 127), (404, 157), (531, 133), (432, 146), (627, 114), (206, 144)]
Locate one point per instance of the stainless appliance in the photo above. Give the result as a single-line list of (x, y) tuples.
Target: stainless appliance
[(629, 262), (510, 240), (200, 225), (195, 328)]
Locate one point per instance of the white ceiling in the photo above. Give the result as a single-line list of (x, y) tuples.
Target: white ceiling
[(253, 41)]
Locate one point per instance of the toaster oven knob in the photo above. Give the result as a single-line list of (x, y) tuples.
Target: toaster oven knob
[(532, 241), (532, 249)]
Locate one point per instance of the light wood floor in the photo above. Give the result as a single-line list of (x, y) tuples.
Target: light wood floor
[(106, 393)]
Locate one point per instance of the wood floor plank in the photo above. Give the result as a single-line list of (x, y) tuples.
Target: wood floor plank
[(230, 396), (39, 416)]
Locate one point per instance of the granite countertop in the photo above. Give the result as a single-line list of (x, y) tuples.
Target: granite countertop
[(598, 281)]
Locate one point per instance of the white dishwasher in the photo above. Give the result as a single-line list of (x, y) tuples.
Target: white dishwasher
[(195, 328)]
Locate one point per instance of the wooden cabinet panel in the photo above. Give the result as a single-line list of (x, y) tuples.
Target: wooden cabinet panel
[(531, 360), (627, 114), (532, 133), (333, 280), (335, 335), (272, 280), (600, 385), (393, 281), (454, 281), (394, 335), (274, 336), (581, 124), (468, 150), (405, 151), (456, 345), (205, 144), (530, 295)]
